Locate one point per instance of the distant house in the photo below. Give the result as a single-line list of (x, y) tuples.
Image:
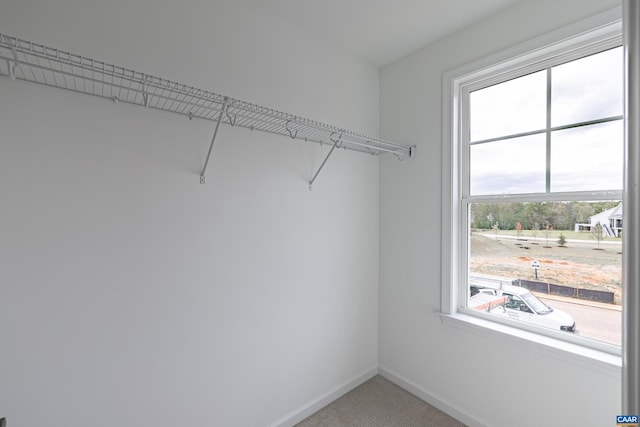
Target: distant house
[(611, 221)]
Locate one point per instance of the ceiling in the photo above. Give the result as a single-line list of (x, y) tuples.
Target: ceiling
[(382, 31)]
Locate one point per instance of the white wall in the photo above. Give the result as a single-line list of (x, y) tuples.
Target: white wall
[(131, 295), (470, 374)]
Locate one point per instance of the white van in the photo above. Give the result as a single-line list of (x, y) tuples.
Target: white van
[(519, 304)]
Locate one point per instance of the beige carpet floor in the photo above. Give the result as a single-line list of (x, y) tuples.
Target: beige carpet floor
[(379, 403)]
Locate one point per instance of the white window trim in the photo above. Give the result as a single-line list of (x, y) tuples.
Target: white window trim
[(600, 29)]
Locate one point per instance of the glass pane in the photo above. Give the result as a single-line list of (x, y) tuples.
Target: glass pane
[(509, 108), (587, 89), (553, 265), (509, 166), (588, 158)]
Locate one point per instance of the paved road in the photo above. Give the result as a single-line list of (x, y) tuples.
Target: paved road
[(599, 321)]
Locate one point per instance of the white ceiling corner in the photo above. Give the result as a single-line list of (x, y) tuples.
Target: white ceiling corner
[(382, 31)]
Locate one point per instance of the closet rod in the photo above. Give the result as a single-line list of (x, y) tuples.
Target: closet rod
[(25, 60)]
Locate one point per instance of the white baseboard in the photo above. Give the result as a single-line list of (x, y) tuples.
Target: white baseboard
[(314, 405), (429, 397)]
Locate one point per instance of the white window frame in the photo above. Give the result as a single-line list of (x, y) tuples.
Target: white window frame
[(596, 33)]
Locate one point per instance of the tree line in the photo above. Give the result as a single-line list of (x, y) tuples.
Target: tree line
[(535, 215)]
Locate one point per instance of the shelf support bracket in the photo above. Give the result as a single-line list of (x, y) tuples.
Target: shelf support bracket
[(145, 94), (203, 176), (335, 144), (11, 66)]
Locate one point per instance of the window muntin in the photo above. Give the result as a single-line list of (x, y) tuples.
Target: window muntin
[(538, 163), (584, 155)]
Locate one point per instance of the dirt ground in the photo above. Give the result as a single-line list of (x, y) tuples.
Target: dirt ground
[(579, 264)]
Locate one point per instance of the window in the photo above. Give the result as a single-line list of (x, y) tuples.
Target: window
[(533, 201)]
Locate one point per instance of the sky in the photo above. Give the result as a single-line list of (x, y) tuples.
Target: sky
[(582, 158)]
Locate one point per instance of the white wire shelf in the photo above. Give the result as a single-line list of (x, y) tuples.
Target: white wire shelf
[(25, 60)]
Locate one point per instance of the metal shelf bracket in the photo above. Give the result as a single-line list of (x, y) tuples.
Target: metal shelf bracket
[(145, 94), (336, 143), (11, 65), (203, 175)]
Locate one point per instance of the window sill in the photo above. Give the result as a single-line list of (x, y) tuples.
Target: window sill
[(571, 353)]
